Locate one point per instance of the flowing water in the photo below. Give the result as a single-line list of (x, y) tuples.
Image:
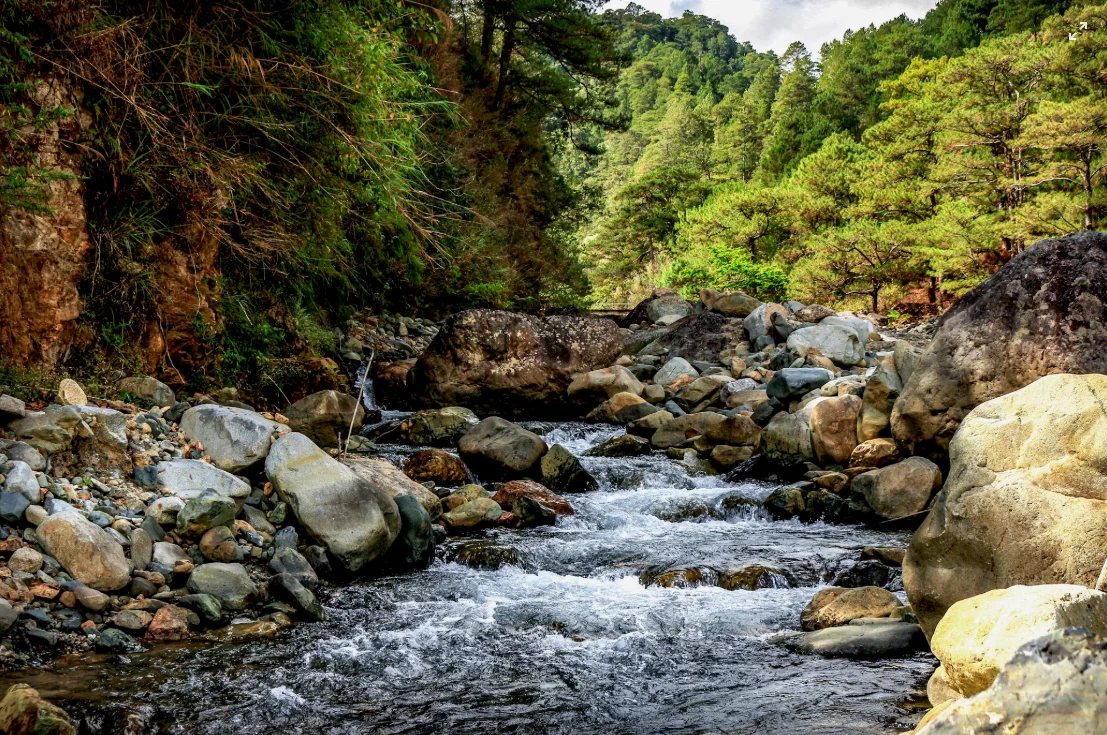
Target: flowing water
[(565, 640)]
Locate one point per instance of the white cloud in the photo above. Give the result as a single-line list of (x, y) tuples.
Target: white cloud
[(773, 24)]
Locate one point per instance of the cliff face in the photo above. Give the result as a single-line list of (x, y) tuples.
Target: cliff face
[(43, 252)]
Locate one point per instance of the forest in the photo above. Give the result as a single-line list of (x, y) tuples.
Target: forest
[(247, 174)]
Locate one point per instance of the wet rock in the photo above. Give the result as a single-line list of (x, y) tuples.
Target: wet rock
[(678, 430), (833, 427), (679, 578), (754, 577), (289, 561), (1053, 684), (114, 640), (325, 417), (977, 636), (500, 363), (414, 546), (472, 515), (385, 479), (624, 445), (24, 712), (868, 573), (86, 551), (836, 343), (188, 478), (593, 387), (482, 555), (834, 606), (890, 555), (532, 513), (509, 492), (498, 449), (791, 383), (147, 389), (785, 503), (50, 431), (170, 623), (786, 440), (899, 490), (203, 512), (874, 453), (872, 641), (207, 607), (610, 410), (234, 438), (462, 496), (726, 457), (674, 369), (437, 466), (287, 588), (563, 473), (437, 427), (228, 583), (356, 522)]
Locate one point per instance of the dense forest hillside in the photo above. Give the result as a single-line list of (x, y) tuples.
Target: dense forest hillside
[(903, 163)]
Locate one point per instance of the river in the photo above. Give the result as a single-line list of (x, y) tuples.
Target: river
[(566, 639)]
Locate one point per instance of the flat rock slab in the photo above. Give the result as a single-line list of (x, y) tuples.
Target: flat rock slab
[(868, 641)]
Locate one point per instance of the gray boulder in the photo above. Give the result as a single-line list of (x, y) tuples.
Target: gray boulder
[(667, 305), (675, 367), (86, 551), (325, 417), (187, 478), (228, 583), (51, 430), (791, 383), (836, 343), (437, 426), (759, 323), (498, 449), (21, 479), (234, 438), (148, 389), (864, 639), (563, 473), (343, 512)]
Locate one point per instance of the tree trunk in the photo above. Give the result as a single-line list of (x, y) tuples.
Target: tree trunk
[(506, 50), (488, 33)]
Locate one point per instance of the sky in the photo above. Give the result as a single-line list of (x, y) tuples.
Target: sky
[(773, 24)]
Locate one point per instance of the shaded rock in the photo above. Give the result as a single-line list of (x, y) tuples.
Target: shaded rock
[(625, 445), (383, 477), (234, 438), (482, 555), (785, 503), (599, 385), (701, 391), (50, 431), (205, 511), (24, 452), (437, 427), (834, 606), (325, 417), (509, 492), (759, 322), (472, 515), (1041, 313), (287, 588), (867, 573), (1031, 461), (86, 551), (610, 410), (188, 478), (228, 583), (532, 513), (218, 544), (498, 449), (563, 473), (289, 561), (24, 712), (838, 344), (726, 457), (673, 369), (791, 383), (899, 490), (678, 430), (414, 546), (699, 337), (978, 635), (206, 606), (874, 641), (738, 430), (874, 453), (437, 466), (786, 440), (496, 362), (881, 391), (346, 514), (833, 427), (754, 577), (647, 425), (147, 389)]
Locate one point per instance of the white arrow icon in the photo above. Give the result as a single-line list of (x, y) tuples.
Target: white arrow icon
[(1084, 25), (1072, 36)]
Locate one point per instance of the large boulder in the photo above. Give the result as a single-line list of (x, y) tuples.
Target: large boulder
[(343, 512), (437, 466), (51, 430), (497, 449), (759, 322), (234, 438), (1025, 501), (899, 490), (678, 430), (437, 426), (325, 417), (1053, 685), (834, 429), (787, 440), (735, 304), (496, 362), (979, 635), (85, 550), (1042, 313), (699, 337), (839, 344), (667, 305), (228, 583), (187, 478), (790, 383), (597, 386), (562, 472), (674, 369), (383, 477)]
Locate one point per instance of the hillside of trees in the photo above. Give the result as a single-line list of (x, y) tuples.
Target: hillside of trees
[(897, 169)]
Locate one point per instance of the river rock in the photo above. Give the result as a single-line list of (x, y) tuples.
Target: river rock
[(24, 452), (25, 560), (509, 492), (24, 712), (786, 440), (148, 389), (437, 426), (498, 449), (598, 385), (701, 391), (414, 546), (325, 417), (899, 490), (205, 511), (1032, 461), (86, 551), (164, 510), (738, 430), (472, 515), (978, 635), (881, 392), (168, 554), (834, 606), (51, 430), (833, 427), (874, 640), (1053, 685), (384, 478), (680, 429), (1041, 313), (874, 453), (759, 322), (170, 623), (838, 344), (610, 410), (287, 588), (497, 362), (234, 438), (188, 478), (218, 544), (735, 304), (673, 369), (647, 425), (228, 583), (624, 445), (437, 466), (698, 337), (563, 473), (21, 479), (791, 383), (340, 510), (667, 305)]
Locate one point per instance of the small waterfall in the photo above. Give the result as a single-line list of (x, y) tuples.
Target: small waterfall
[(365, 384)]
